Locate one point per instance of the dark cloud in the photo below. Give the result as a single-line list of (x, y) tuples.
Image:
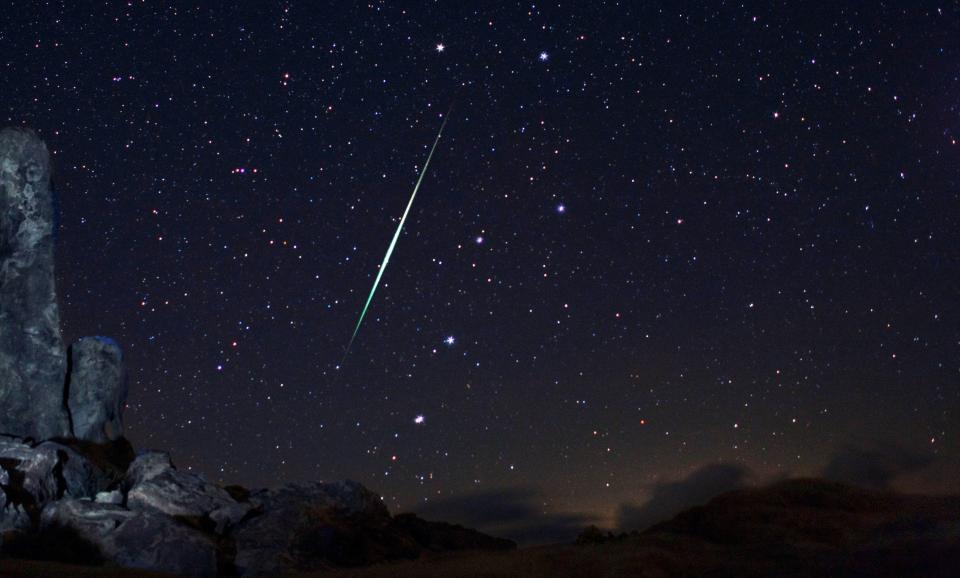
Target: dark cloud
[(670, 498), (875, 468), (515, 513)]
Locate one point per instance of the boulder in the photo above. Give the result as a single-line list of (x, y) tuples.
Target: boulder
[(298, 527), (77, 476), (177, 493), (346, 495), (310, 527), (31, 477), (96, 389), (90, 519), (57, 503), (225, 518), (154, 484), (32, 359), (147, 465), (145, 540)]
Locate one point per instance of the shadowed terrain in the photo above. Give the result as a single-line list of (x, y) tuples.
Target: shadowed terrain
[(797, 527)]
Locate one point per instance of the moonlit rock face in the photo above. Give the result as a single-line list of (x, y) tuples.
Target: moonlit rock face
[(177, 493), (32, 357), (133, 539), (97, 389)]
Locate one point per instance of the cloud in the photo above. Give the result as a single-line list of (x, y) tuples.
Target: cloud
[(519, 513), (516, 513), (875, 468), (670, 498)]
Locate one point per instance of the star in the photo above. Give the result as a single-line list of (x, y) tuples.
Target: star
[(441, 47), (450, 340), (544, 56), (561, 208), (419, 419)]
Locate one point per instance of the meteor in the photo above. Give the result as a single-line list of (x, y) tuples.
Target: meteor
[(396, 235)]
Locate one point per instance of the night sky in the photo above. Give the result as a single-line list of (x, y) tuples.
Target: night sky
[(654, 238)]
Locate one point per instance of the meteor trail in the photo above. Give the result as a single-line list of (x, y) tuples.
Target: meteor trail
[(396, 235)]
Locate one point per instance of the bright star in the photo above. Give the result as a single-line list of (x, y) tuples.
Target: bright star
[(544, 57), (479, 239), (419, 419), (450, 340), (561, 208), (440, 47)]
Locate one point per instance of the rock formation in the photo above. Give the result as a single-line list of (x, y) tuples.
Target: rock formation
[(97, 389), (32, 361), (38, 399), (157, 517), (71, 485), (135, 539)]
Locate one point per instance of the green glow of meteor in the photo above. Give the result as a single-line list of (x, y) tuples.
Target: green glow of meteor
[(393, 242)]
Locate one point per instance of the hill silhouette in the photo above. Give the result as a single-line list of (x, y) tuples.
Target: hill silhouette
[(799, 527)]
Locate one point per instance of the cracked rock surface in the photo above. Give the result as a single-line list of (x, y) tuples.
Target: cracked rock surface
[(32, 357)]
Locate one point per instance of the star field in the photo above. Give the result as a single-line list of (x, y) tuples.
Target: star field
[(652, 238)]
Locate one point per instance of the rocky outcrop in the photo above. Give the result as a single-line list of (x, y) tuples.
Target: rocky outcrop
[(32, 360), (159, 487), (153, 517), (32, 476), (296, 527), (96, 389), (135, 539), (302, 527), (146, 466), (57, 497), (38, 398)]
